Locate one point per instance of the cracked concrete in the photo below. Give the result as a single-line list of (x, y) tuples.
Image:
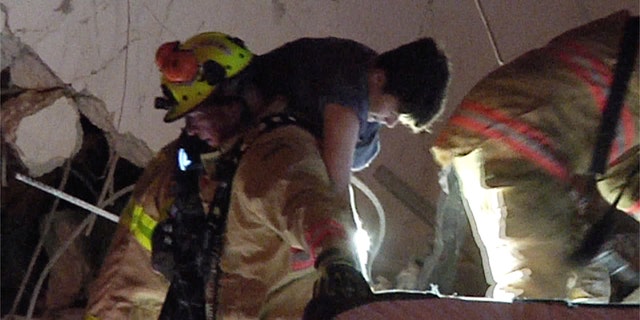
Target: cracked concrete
[(42, 122)]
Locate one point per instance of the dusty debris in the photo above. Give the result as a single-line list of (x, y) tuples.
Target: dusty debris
[(47, 125), (72, 273)]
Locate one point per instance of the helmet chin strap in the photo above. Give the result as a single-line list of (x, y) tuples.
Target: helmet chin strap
[(163, 103), (167, 101)]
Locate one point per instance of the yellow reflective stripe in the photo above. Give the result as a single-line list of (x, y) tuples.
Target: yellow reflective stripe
[(142, 226), (91, 317)]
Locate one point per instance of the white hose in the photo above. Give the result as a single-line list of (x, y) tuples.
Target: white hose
[(375, 247)]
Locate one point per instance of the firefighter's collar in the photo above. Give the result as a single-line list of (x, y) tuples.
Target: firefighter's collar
[(209, 159)]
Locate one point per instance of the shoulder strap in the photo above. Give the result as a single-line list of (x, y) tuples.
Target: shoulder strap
[(602, 229), (622, 73), (217, 217), (272, 122)]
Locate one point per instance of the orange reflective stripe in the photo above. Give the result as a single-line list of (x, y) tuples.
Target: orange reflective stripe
[(518, 126), (533, 143), (598, 77), (521, 137)]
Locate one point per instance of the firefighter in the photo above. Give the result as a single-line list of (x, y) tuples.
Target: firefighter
[(127, 286), (522, 140)]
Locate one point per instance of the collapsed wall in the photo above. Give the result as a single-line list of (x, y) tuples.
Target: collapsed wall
[(65, 139)]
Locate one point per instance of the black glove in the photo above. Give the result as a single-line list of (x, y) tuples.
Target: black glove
[(340, 287), (177, 252), (162, 248)]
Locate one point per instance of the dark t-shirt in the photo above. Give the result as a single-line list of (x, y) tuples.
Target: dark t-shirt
[(313, 72)]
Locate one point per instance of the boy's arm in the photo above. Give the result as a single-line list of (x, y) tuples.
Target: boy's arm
[(341, 128)]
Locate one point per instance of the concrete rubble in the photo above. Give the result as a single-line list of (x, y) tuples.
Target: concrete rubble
[(42, 123)]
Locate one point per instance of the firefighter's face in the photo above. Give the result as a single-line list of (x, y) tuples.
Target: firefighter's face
[(215, 124)]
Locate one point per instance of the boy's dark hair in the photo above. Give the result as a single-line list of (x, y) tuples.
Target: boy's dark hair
[(417, 74)]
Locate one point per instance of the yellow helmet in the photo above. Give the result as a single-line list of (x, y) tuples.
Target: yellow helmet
[(191, 70)]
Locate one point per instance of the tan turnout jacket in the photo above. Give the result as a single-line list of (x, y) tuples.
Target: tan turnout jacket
[(524, 131), (281, 212)]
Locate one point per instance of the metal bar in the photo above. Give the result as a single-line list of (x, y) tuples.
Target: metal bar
[(69, 198)]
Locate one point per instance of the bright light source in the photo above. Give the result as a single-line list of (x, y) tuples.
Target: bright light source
[(183, 159), (367, 249), (361, 238), (363, 244)]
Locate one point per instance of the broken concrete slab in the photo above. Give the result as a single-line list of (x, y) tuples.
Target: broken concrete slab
[(48, 137), (28, 72)]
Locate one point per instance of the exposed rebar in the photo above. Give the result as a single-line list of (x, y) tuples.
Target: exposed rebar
[(36, 253)]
